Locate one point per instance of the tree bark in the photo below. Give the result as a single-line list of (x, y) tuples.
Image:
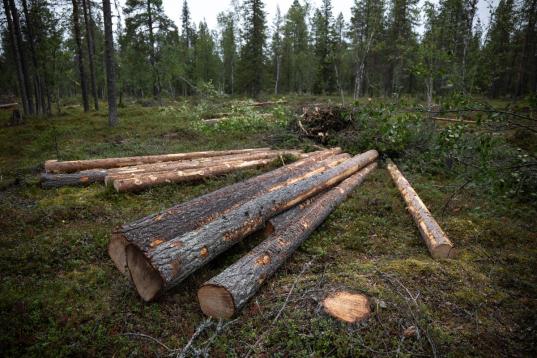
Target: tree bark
[(82, 178), (436, 240), (130, 172), (88, 22), (80, 55), (110, 64), (20, 57), (76, 165), (171, 262), (16, 55), (160, 227), (224, 295), (143, 181)]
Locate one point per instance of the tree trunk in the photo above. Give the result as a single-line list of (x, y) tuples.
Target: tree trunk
[(88, 22), (152, 54), (82, 178), (130, 172), (80, 55), (16, 54), (224, 295), (436, 240), (39, 91), (19, 46), (172, 261), (143, 181), (76, 165), (185, 217), (110, 64)]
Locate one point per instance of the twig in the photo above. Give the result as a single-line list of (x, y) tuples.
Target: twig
[(134, 334), (202, 326), (452, 196), (306, 266)]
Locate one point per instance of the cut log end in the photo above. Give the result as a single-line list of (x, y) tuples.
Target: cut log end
[(348, 307), (216, 301), (146, 279), (443, 251), (116, 251)]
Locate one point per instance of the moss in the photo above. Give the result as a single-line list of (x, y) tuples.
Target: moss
[(60, 294)]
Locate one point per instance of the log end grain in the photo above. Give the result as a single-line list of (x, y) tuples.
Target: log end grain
[(346, 306), (146, 279), (443, 251), (216, 301), (116, 250)]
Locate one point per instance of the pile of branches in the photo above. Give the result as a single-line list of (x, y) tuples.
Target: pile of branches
[(320, 121)]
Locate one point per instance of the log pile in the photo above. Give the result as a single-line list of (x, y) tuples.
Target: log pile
[(159, 251), (138, 173)]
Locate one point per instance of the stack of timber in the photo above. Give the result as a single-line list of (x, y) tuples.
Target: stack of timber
[(137, 173), (160, 251)]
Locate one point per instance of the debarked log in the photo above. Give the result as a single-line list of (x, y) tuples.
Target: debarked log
[(129, 172), (83, 178), (225, 294), (171, 262), (54, 166), (436, 240), (150, 231), (146, 180)]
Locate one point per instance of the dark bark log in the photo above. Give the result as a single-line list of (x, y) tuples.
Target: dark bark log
[(163, 226), (435, 239), (224, 295), (147, 180), (80, 56), (26, 88), (82, 178), (171, 262), (110, 64), (88, 22), (132, 172), (106, 163)]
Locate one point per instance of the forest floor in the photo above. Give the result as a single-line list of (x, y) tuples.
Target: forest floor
[(61, 295)]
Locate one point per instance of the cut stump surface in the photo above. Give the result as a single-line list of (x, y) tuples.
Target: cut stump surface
[(346, 306)]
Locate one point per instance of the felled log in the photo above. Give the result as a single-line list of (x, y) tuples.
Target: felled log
[(456, 120), (347, 306), (128, 172), (436, 240), (83, 178), (224, 295), (55, 166), (147, 233), (9, 106), (146, 180), (267, 103), (171, 262)]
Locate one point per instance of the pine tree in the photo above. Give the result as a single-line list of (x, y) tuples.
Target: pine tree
[(110, 64), (252, 60), (229, 51)]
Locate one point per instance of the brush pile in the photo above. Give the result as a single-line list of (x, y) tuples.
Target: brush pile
[(161, 250), (319, 121), (137, 173)]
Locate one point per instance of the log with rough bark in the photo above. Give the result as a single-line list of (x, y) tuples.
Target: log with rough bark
[(83, 178), (436, 240), (224, 295), (55, 166), (148, 232), (127, 172), (172, 261), (347, 306)]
